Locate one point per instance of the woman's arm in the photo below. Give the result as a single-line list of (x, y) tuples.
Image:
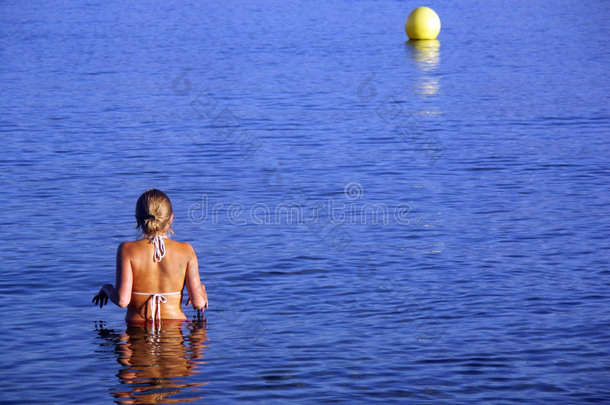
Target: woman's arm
[(121, 295), (196, 290), (205, 297)]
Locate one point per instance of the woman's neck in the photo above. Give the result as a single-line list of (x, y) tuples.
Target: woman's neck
[(151, 236)]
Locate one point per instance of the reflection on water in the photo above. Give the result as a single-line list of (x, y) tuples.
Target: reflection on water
[(155, 367), (426, 85), (426, 55)]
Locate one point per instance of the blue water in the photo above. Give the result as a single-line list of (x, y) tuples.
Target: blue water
[(376, 221)]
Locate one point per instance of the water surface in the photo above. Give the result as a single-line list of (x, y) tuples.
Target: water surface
[(464, 257)]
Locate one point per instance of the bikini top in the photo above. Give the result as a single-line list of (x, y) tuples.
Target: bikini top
[(159, 254), (156, 299)]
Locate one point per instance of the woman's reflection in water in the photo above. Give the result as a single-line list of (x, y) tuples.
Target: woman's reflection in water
[(156, 366)]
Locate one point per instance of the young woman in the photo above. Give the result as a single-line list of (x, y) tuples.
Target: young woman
[(152, 272)]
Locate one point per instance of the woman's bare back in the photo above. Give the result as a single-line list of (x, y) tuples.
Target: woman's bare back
[(150, 277)]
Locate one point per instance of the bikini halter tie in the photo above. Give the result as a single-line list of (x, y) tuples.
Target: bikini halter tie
[(157, 240)]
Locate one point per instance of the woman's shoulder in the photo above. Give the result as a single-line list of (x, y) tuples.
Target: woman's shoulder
[(128, 246), (183, 246)]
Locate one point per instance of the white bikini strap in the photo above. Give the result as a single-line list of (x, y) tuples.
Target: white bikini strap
[(159, 247), (155, 307)]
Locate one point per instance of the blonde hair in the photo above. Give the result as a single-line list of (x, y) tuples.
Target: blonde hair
[(154, 212)]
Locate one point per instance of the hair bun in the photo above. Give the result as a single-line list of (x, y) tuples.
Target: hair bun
[(157, 202)]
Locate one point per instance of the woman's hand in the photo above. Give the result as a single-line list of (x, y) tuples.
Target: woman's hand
[(205, 298), (101, 298)]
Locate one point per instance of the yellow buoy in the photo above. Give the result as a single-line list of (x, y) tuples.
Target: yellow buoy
[(423, 23)]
